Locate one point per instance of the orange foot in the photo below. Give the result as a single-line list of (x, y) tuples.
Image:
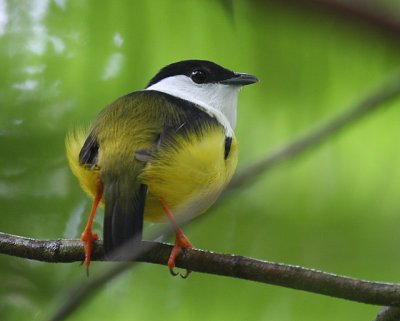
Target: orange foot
[(88, 239), (87, 236), (181, 242)]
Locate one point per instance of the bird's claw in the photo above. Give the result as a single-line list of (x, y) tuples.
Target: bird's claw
[(186, 275), (183, 276), (181, 243), (173, 273), (87, 267), (88, 239)]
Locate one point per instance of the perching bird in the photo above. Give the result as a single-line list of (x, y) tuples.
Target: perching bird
[(169, 148)]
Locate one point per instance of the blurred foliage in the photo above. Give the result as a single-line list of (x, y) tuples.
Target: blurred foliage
[(335, 208)]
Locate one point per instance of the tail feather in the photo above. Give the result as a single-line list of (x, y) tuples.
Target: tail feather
[(123, 217)]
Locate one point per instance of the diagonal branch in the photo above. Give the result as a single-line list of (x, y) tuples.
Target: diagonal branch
[(385, 94), (235, 266)]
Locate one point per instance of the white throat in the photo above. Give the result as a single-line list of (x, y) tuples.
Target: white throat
[(218, 100)]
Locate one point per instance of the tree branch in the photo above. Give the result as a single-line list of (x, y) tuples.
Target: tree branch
[(386, 93), (235, 266), (388, 314), (289, 276)]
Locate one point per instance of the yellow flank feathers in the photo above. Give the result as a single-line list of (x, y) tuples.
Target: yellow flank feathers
[(188, 170), (189, 178), (88, 177)]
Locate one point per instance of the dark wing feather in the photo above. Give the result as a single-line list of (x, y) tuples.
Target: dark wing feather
[(89, 152)]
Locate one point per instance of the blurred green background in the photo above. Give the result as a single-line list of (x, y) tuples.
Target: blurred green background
[(335, 208)]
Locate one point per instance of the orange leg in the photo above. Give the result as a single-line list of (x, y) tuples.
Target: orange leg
[(87, 236), (181, 241)]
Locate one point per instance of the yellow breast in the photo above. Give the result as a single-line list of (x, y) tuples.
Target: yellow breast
[(190, 178)]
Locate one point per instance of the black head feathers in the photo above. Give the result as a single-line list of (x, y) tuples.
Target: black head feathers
[(200, 71)]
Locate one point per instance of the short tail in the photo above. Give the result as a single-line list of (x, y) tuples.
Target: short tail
[(123, 217)]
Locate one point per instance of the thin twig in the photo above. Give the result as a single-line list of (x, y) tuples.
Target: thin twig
[(285, 275)]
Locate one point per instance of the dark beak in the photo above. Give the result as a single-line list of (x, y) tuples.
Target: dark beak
[(240, 79)]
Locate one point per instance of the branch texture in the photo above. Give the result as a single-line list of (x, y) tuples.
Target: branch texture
[(290, 276)]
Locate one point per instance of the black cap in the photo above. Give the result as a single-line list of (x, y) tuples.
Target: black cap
[(203, 72)]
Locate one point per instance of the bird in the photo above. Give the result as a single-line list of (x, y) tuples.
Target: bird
[(158, 153)]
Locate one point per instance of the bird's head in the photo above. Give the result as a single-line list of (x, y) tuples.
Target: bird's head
[(211, 86)]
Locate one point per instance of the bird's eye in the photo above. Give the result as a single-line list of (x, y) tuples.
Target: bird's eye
[(198, 76)]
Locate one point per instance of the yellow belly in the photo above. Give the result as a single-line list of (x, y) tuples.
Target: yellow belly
[(191, 178)]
